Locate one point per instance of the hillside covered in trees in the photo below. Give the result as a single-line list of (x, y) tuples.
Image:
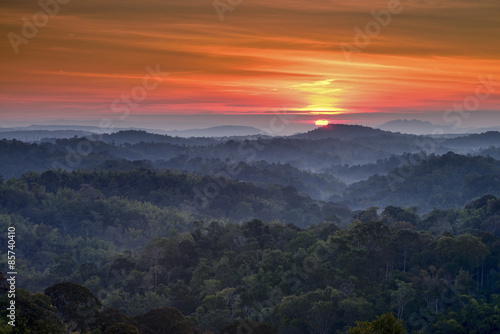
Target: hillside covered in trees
[(344, 229), (352, 165), (331, 273)]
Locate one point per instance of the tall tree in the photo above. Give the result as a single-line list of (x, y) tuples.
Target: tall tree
[(77, 305), (402, 296)]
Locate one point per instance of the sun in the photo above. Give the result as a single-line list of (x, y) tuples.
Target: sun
[(321, 122)]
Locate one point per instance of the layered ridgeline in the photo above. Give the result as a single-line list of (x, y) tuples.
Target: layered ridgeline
[(353, 165), (317, 150), (446, 181), (193, 235), (73, 153)]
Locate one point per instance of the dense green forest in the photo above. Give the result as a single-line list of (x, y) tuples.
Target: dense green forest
[(432, 271), (446, 181), (344, 229)]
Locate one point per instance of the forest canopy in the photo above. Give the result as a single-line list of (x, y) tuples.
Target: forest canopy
[(342, 230)]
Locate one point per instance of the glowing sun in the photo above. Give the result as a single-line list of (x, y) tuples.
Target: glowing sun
[(321, 122)]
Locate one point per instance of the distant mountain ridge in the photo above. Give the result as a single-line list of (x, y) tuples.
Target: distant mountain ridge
[(336, 131), (418, 127), (37, 135), (219, 131), (341, 131), (56, 127), (37, 132)]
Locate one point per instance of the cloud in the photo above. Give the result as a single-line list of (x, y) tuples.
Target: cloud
[(266, 54)]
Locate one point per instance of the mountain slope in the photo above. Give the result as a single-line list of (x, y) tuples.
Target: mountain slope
[(340, 131), (418, 127), (446, 181), (208, 197)]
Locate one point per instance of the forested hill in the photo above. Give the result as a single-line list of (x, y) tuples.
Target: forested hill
[(137, 136), (208, 197), (465, 144), (345, 132), (446, 181)]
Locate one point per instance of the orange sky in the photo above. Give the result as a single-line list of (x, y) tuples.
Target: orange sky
[(264, 56)]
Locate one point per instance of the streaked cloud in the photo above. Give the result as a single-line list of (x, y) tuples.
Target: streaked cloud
[(266, 54)]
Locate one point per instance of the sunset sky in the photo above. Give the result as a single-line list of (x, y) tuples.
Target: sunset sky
[(264, 57)]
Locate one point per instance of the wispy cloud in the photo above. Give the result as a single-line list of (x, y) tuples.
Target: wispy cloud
[(266, 54)]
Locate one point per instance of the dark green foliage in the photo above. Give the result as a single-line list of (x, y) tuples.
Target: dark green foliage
[(320, 278), (121, 328), (248, 326), (113, 317), (445, 181), (100, 202), (384, 324), (77, 305), (164, 320), (475, 316)]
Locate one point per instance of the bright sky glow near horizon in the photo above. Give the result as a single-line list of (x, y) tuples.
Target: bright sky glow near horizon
[(265, 56)]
